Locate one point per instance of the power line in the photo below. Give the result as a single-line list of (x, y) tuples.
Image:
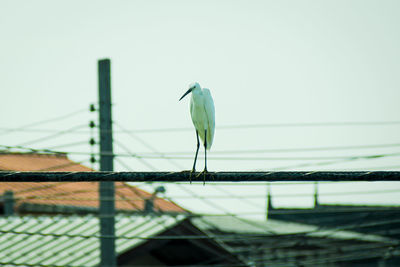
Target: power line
[(226, 196), (312, 124), (346, 158), (12, 176), (68, 145), (353, 157), (59, 166), (324, 163), (244, 199), (231, 237), (151, 167), (38, 130), (341, 253), (286, 150), (273, 125), (339, 158), (223, 237), (204, 199), (159, 154), (222, 127), (33, 149), (57, 134), (58, 118)]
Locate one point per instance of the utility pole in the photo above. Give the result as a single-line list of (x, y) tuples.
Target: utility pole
[(106, 189)]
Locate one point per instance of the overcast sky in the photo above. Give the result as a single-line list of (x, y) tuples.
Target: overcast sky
[(267, 63)]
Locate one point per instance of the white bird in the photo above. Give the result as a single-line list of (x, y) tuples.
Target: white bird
[(202, 112)]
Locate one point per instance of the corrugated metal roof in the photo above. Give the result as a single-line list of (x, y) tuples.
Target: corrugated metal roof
[(70, 194), (71, 241), (276, 227)]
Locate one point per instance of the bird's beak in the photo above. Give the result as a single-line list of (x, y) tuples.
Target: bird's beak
[(187, 92)]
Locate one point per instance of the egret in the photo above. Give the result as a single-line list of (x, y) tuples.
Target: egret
[(202, 112)]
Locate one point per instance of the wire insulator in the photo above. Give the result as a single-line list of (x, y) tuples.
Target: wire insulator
[(92, 142)]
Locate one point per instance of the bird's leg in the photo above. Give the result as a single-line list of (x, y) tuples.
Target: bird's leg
[(195, 157), (204, 172), (205, 151)]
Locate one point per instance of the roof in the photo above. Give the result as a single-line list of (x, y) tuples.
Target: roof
[(71, 240), (39, 162), (232, 224), (279, 243), (74, 241), (31, 195), (377, 220)]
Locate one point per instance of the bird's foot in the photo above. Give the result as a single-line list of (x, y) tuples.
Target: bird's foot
[(204, 173)]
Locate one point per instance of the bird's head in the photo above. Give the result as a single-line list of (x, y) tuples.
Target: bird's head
[(192, 86)]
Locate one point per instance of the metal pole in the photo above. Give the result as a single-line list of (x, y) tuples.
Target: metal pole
[(106, 189)]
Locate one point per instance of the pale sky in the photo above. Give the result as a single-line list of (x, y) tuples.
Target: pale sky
[(265, 62)]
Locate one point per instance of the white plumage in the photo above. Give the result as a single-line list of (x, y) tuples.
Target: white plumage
[(202, 111)]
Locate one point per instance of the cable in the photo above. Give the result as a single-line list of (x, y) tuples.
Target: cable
[(180, 186), (231, 195), (354, 157), (148, 165), (214, 205), (23, 127), (153, 186), (324, 163), (222, 127), (160, 155), (271, 125), (283, 150), (61, 166), (375, 168), (32, 149), (311, 124), (174, 237), (278, 211), (12, 176), (52, 135), (339, 193), (341, 248), (68, 145), (331, 256), (240, 197), (228, 214), (338, 158), (231, 237)]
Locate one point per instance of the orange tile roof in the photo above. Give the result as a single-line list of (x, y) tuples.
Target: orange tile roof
[(69, 193), (38, 162)]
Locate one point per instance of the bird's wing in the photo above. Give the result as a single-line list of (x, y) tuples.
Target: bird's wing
[(210, 111)]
